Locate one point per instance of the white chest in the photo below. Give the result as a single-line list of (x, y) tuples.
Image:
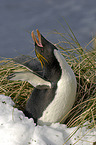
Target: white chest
[(64, 97)]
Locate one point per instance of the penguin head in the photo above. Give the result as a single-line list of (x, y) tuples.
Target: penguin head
[(44, 49)]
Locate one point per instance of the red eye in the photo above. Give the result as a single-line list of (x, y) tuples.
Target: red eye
[(42, 50)]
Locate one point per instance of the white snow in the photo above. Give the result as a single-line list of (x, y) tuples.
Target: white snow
[(16, 129)]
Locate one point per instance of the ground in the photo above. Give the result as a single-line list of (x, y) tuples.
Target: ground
[(16, 129)]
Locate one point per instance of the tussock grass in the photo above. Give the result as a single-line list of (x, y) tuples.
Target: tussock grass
[(82, 61), (17, 90)]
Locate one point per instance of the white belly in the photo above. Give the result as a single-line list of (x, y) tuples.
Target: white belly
[(64, 97)]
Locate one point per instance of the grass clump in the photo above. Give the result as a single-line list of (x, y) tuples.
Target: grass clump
[(82, 61), (17, 90)]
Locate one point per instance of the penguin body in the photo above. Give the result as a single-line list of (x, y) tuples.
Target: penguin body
[(64, 95), (54, 95)]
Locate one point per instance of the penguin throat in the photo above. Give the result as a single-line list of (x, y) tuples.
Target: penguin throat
[(52, 72)]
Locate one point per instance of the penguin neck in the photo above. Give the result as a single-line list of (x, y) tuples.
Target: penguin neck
[(53, 71)]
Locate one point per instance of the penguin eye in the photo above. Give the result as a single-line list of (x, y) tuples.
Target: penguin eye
[(42, 50)]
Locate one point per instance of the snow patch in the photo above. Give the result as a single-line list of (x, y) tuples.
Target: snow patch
[(16, 129)]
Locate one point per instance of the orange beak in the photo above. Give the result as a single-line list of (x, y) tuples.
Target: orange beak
[(35, 39)]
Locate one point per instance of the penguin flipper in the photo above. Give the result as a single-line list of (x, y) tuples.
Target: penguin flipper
[(30, 63), (30, 77)]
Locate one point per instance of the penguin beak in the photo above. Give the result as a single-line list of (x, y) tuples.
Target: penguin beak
[(41, 58), (35, 39)]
